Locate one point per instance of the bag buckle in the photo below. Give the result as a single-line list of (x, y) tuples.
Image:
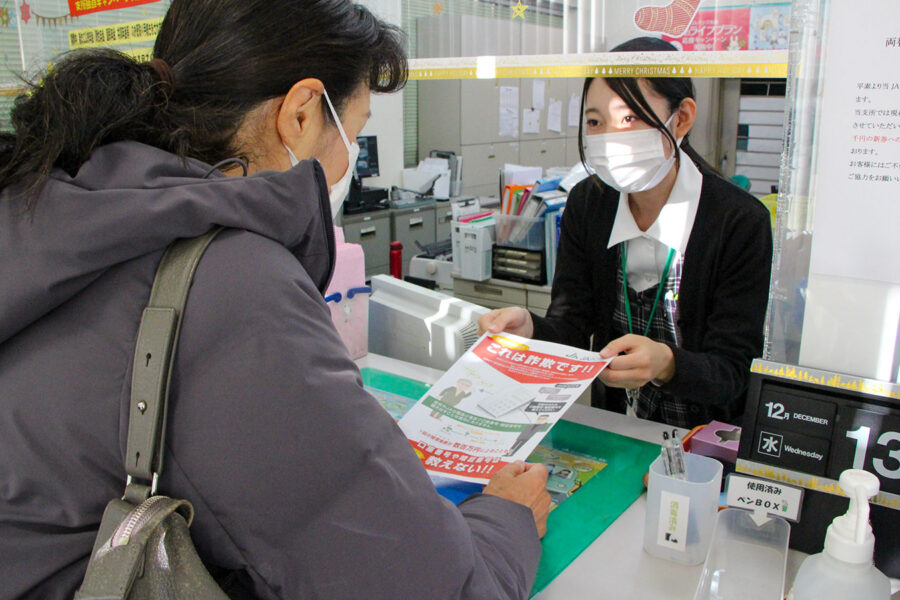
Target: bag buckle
[(138, 492)]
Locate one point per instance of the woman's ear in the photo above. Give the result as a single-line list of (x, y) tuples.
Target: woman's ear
[(300, 119), (685, 117)]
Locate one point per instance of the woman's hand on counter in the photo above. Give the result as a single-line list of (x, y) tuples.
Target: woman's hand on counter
[(526, 484), (639, 360), (511, 319)]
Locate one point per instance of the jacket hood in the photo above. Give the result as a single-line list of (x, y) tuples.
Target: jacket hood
[(131, 199)]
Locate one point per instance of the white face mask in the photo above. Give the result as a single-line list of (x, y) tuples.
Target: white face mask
[(630, 161), (339, 190)]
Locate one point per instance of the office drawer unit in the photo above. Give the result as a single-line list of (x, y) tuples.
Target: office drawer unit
[(482, 163), (497, 293), (543, 153), (442, 218), (484, 191), (371, 230), (409, 225)]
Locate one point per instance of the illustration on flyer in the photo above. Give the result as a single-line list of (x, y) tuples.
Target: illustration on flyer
[(496, 403)]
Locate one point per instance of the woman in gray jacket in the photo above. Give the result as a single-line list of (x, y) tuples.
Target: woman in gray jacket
[(303, 485)]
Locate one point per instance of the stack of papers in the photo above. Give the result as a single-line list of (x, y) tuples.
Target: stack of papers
[(430, 172), (496, 403)]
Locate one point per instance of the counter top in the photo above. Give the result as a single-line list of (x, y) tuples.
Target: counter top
[(615, 564)]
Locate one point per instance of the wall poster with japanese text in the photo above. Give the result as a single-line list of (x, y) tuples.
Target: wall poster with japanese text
[(47, 28)]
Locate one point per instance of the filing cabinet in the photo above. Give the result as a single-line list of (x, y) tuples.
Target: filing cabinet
[(439, 117), (482, 163), (484, 190), (555, 89), (544, 153), (479, 113), (411, 225), (371, 230), (497, 293), (442, 219)]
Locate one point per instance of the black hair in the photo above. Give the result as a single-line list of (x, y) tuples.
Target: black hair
[(223, 57), (673, 89)]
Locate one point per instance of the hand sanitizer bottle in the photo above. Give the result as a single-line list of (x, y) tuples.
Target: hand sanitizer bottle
[(844, 568)]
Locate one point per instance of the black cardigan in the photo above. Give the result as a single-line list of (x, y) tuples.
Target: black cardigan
[(722, 298)]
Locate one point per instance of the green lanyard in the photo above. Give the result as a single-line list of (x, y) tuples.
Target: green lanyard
[(662, 283)]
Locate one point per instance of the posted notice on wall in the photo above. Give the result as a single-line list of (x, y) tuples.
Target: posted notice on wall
[(496, 403), (509, 111), (857, 207)]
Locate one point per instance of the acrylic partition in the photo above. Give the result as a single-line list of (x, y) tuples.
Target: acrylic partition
[(747, 33), (835, 292)]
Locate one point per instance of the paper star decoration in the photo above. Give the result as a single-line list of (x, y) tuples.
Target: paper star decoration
[(438, 8), (25, 11), (519, 10)]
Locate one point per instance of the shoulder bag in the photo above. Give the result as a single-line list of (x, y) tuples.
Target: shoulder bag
[(143, 550)]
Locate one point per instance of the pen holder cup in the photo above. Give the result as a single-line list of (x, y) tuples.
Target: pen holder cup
[(681, 513)]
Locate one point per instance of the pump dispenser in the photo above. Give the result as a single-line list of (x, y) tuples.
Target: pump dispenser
[(844, 568)]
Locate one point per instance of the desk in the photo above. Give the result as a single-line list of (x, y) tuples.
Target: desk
[(615, 565)]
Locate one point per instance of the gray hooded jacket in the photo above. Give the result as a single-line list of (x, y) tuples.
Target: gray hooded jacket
[(303, 485)]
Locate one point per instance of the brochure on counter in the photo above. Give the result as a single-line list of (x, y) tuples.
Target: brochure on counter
[(496, 403)]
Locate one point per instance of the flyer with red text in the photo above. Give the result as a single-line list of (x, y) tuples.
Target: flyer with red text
[(496, 403)]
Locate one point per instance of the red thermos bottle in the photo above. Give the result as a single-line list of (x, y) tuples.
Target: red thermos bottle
[(396, 259)]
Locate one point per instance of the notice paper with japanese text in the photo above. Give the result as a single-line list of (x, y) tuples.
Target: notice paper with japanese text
[(496, 403)]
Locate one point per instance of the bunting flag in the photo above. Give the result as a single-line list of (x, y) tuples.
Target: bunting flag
[(41, 20)]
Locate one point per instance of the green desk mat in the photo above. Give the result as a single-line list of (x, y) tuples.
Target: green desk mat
[(577, 522)]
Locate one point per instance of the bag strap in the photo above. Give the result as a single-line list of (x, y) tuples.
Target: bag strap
[(153, 358)]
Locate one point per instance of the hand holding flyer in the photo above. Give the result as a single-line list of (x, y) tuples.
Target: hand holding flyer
[(496, 403)]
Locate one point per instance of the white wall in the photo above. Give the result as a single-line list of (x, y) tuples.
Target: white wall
[(387, 113), (387, 124)]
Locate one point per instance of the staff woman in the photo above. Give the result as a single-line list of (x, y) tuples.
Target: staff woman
[(661, 261)]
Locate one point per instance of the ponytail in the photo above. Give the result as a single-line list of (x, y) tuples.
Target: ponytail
[(89, 98)]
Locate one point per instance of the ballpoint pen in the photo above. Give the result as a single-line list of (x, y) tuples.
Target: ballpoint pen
[(673, 455)]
